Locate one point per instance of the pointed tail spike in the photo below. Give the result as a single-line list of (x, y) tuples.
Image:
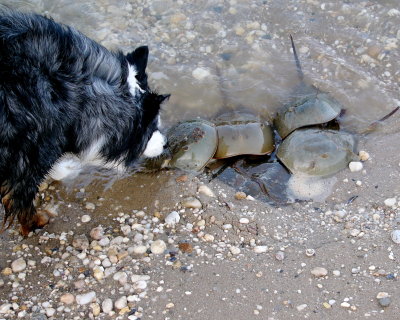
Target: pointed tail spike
[(296, 58)]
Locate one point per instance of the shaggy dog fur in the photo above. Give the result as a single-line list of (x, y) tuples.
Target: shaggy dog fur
[(61, 92)]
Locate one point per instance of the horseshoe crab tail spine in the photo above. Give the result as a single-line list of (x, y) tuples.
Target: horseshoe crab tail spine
[(296, 58)]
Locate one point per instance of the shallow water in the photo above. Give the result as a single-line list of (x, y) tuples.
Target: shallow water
[(349, 49)]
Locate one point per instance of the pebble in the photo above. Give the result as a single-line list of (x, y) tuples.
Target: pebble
[(97, 233), (390, 202), (1, 282), (280, 256), (185, 247), (363, 155), (319, 272), (98, 274), (234, 250), (383, 299), (158, 247), (345, 305), (50, 312), (336, 273), (18, 265), (139, 249), (310, 252), (86, 218), (85, 298), (384, 302), (395, 235), (191, 202), (107, 305), (355, 232), (172, 218), (244, 220), (5, 308), (206, 191), (80, 242), (208, 237), (260, 249), (90, 206), (67, 298), (240, 195), (200, 73), (355, 166), (95, 309), (301, 307), (121, 303)]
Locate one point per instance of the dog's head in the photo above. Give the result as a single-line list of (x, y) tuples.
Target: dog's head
[(150, 101)]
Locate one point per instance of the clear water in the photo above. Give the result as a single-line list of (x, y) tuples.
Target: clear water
[(348, 48)]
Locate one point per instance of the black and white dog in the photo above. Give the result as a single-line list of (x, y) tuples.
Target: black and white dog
[(61, 92)]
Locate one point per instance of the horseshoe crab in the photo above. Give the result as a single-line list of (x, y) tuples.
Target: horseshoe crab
[(309, 106), (241, 133), (192, 144), (317, 152)]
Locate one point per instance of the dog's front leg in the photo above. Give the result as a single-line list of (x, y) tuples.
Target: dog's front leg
[(17, 200)]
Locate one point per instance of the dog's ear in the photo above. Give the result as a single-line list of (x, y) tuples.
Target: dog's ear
[(138, 59)]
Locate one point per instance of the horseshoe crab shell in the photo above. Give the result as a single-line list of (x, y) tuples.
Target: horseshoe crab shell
[(192, 144), (312, 109), (242, 133), (317, 152), (309, 106)]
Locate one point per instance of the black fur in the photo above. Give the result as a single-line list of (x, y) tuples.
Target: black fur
[(60, 92)]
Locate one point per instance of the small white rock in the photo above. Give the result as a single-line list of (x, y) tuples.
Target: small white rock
[(86, 218), (90, 206), (107, 305), (191, 202), (390, 202), (172, 218), (206, 191), (121, 303), (18, 265), (5, 308), (301, 307), (244, 220), (396, 236), (355, 166), (50, 312), (139, 277), (200, 73), (208, 237), (121, 277), (139, 249), (336, 273), (319, 272), (260, 249), (158, 247), (85, 298), (234, 250)]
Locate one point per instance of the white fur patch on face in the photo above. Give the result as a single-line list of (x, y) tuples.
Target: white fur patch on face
[(132, 81), (155, 146)]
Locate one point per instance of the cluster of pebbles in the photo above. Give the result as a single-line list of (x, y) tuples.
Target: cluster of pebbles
[(109, 270)]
